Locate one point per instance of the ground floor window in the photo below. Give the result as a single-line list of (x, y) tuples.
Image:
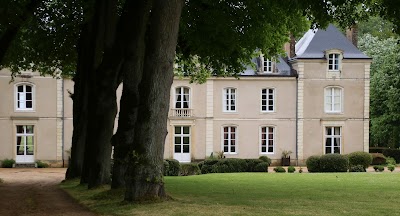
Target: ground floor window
[(25, 139), (333, 140), (267, 139), (229, 139), (182, 139)]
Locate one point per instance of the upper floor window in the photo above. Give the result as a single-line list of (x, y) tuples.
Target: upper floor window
[(182, 97), (333, 99), (333, 140), (333, 61), (229, 100), (24, 97), (267, 100), (267, 66), (229, 139), (267, 139)]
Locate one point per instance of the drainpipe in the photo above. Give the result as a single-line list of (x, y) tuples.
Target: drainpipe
[(297, 119), (63, 120)]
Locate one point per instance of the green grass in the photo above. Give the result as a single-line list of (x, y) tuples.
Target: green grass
[(259, 194)]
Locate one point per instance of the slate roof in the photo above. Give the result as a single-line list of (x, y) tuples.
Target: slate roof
[(283, 69), (313, 44)]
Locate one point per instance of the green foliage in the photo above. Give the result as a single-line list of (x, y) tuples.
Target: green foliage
[(391, 167), (313, 163), (190, 169), (300, 170), (357, 168), (334, 163), (279, 169), (7, 163), (378, 159), (394, 153), (229, 165), (261, 167), (291, 169), (390, 161), (173, 168), (265, 159), (253, 165), (379, 168), (360, 158), (41, 164), (377, 27), (165, 167)]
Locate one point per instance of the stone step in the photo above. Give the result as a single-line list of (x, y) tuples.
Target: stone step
[(25, 165)]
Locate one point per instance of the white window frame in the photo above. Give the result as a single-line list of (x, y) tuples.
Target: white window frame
[(24, 135), (182, 88), (227, 103), (330, 99), (267, 139), (334, 62), (229, 139), (267, 65), (182, 135), (333, 137), (17, 94), (267, 100)]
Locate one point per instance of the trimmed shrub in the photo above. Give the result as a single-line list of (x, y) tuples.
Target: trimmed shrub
[(190, 169), (378, 159), (390, 161), (334, 163), (229, 165), (391, 167), (379, 168), (251, 164), (360, 158), (261, 167), (313, 163), (291, 169), (40, 164), (357, 168), (173, 167), (166, 168), (279, 169), (208, 165), (7, 163), (265, 159), (394, 153)]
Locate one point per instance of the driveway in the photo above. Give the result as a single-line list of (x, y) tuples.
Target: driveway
[(36, 192)]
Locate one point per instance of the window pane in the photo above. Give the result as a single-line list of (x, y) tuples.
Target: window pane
[(29, 129), (28, 88), (328, 150), (328, 141), (177, 130), (29, 140), (226, 148), (29, 96), (185, 130), (186, 91), (28, 104), (336, 150), (328, 131), (337, 130), (20, 129), (20, 150), (336, 142), (233, 129), (270, 149), (263, 149), (233, 149), (185, 148), (178, 91), (20, 88), (185, 140), (264, 91), (177, 149), (177, 140), (29, 150)]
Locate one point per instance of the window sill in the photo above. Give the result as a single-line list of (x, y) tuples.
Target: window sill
[(230, 153), (268, 112), (25, 111), (264, 153), (228, 112), (334, 113)]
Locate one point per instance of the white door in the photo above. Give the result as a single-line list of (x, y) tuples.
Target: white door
[(25, 144), (182, 143)]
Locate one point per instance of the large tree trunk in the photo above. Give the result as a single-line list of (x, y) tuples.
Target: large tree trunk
[(144, 177), (132, 74)]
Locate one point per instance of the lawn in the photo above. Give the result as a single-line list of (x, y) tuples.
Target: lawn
[(259, 194)]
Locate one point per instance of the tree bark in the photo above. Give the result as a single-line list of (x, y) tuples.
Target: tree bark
[(144, 177), (132, 74)]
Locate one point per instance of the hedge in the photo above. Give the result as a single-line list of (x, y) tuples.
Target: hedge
[(360, 158), (190, 169), (313, 163), (230, 165), (378, 159), (394, 153), (173, 167), (334, 163)]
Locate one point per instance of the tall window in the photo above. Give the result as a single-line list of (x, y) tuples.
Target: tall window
[(267, 100), (182, 97), (230, 139), (182, 139), (25, 140), (333, 62), (229, 100), (267, 65), (24, 97), (333, 140), (267, 139), (333, 99)]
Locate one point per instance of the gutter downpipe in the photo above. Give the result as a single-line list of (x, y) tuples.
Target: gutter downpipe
[(297, 119), (63, 124)]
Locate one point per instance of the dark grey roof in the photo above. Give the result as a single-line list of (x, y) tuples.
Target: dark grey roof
[(315, 42), (283, 69)]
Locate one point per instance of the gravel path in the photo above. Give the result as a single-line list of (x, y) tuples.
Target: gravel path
[(35, 192)]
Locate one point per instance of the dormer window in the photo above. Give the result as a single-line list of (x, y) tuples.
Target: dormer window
[(333, 62), (267, 66)]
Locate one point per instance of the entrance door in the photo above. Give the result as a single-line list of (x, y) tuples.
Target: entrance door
[(25, 145), (182, 143)]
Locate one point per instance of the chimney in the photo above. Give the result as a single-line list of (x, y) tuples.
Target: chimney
[(352, 34), (290, 46)]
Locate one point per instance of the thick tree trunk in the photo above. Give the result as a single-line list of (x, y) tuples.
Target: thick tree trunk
[(144, 177), (132, 74)]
